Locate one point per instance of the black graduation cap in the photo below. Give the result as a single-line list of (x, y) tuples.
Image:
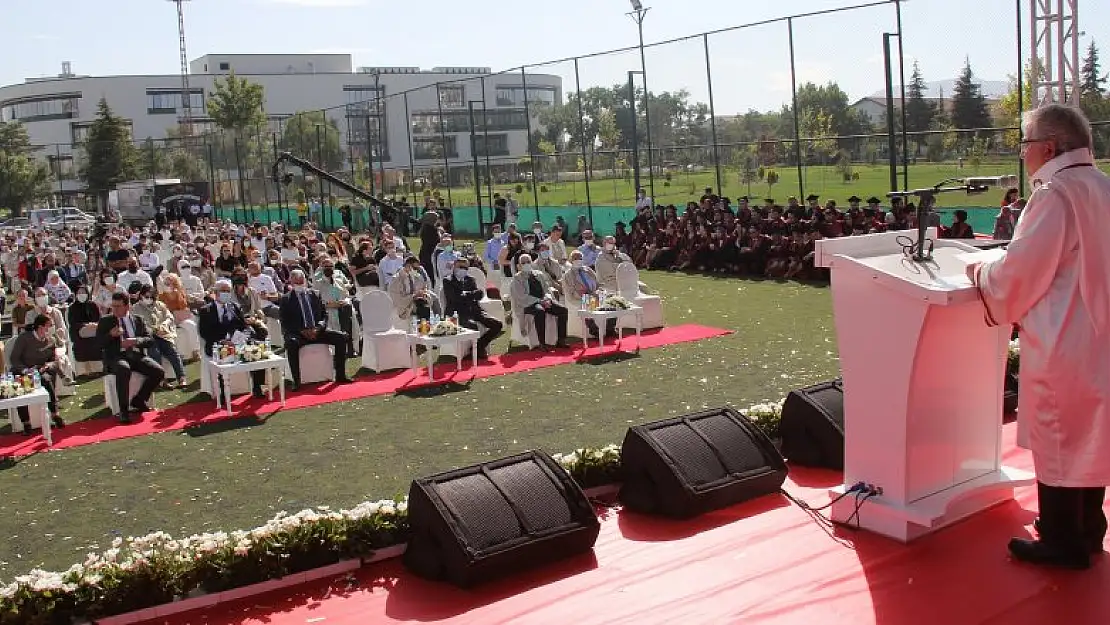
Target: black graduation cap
[(768, 200), (873, 200), (854, 198), (812, 197)]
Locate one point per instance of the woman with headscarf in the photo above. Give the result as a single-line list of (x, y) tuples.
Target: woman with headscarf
[(163, 332), (56, 288), (1004, 224), (103, 290), (83, 316)]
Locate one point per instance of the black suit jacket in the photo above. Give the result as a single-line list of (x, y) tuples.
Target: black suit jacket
[(213, 329), (293, 318), (111, 345), (462, 296)]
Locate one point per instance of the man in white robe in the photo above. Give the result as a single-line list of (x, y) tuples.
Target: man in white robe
[(1055, 283)]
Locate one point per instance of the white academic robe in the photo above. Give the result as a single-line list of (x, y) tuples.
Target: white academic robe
[(1055, 282)]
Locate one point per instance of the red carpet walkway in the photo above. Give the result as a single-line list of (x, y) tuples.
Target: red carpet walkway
[(192, 414), (763, 562)]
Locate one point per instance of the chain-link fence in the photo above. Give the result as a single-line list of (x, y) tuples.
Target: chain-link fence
[(577, 137)]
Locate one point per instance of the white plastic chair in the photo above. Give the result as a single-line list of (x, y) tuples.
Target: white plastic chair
[(188, 339), (384, 347), (493, 308), (628, 285), (316, 365), (532, 340), (575, 326), (133, 387)]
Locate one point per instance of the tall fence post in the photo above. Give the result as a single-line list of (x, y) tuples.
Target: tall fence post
[(582, 140), (794, 100), (902, 79), (412, 156), (277, 183), (485, 140), (531, 151), (713, 117), (443, 144), (635, 138), (892, 157), (239, 175), (1021, 91), (213, 196), (474, 158)]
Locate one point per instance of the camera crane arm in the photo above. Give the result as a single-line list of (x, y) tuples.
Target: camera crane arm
[(305, 166)]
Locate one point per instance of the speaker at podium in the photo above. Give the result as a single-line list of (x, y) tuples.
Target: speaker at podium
[(922, 405)]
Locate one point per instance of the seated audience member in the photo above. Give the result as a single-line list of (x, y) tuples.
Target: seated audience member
[(411, 291), (44, 307), (267, 290), (493, 248), (218, 322), (533, 296), (24, 304), (364, 268), (193, 285), (335, 289), (580, 282), (556, 244), (510, 254), (163, 331), (960, 228), (103, 290), (462, 296), (83, 317), (304, 322), (74, 273), (1004, 225), (554, 269), (589, 249), (133, 275), (123, 337), (57, 289), (35, 350), (607, 262), (391, 263)]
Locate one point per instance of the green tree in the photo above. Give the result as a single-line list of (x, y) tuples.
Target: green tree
[(969, 107), (1092, 80), (919, 111), (22, 178), (321, 147), (1009, 104), (772, 178), (111, 158), (237, 104)]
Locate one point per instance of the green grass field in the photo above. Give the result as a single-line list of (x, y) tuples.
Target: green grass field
[(237, 474)]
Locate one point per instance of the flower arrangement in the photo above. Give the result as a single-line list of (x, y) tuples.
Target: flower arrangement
[(614, 302), (444, 327), (1013, 357), (253, 352), (766, 416), (592, 466), (142, 572), (15, 386)]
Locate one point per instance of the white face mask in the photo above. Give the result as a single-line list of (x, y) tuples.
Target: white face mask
[(149, 301), (224, 297), (460, 274), (82, 297), (576, 262), (526, 267), (42, 300), (529, 245), (298, 288), (609, 247), (537, 231), (545, 254), (109, 281)]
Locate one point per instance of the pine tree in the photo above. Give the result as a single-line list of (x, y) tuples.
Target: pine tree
[(919, 111), (1092, 83), (969, 107), (111, 157)]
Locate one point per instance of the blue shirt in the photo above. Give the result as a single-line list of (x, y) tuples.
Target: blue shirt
[(493, 249), (589, 254)]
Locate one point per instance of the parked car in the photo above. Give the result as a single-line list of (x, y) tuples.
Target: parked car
[(58, 218)]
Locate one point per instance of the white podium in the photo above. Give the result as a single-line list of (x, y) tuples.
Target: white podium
[(923, 386)]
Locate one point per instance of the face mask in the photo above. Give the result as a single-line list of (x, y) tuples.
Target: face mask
[(133, 269), (537, 231), (545, 254), (329, 272), (109, 281), (298, 288), (588, 240), (576, 262), (42, 300), (391, 253), (224, 297), (496, 234), (526, 267), (609, 247), (186, 271), (529, 245), (82, 297), (448, 248), (460, 274), (149, 301)]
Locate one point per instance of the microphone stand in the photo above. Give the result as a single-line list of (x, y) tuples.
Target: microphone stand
[(926, 199)]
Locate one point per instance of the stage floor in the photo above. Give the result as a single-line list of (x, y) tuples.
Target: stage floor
[(766, 561)]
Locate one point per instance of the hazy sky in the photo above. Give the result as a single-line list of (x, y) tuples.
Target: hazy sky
[(750, 65)]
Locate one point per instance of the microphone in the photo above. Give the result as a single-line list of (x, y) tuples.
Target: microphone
[(1005, 182)]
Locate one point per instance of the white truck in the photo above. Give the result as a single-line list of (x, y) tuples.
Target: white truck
[(135, 200)]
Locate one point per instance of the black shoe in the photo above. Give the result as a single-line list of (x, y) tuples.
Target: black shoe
[(124, 418), (1042, 553), (259, 393), (562, 344), (343, 380), (1094, 545), (140, 406), (483, 355), (57, 422), (27, 431), (294, 386)]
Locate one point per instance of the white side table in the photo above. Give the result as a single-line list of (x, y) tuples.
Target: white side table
[(37, 397), (225, 371), (433, 343), (600, 317)]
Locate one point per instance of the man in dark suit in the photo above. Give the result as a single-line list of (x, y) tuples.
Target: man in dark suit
[(123, 336), (218, 320), (304, 322), (462, 296)]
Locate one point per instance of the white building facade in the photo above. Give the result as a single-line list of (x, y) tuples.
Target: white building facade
[(57, 112)]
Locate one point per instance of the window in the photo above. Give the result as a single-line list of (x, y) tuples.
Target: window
[(41, 108), (452, 96), (459, 121), (426, 148), (364, 101), (79, 131), (225, 66), (368, 138), (514, 96), (166, 101), (62, 166), (498, 145)]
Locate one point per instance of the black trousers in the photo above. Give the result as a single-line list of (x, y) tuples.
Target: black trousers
[(539, 319), (493, 327), (135, 362), (1071, 518), (338, 340), (51, 403)]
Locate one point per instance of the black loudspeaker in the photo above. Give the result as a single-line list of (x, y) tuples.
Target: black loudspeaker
[(689, 465), (497, 518), (812, 427)]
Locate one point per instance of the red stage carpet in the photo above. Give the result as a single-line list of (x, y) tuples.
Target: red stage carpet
[(763, 562), (186, 415)]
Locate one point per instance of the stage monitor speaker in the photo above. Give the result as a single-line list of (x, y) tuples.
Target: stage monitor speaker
[(473, 524), (685, 466), (812, 426)]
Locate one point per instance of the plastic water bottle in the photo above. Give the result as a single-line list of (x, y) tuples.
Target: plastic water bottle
[(268, 349), (36, 378)]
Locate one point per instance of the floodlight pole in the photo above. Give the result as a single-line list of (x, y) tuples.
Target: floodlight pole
[(638, 14)]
